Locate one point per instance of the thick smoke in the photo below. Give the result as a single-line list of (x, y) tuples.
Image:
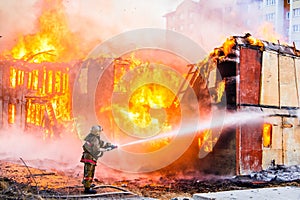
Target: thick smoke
[(217, 20), (16, 144), (98, 20), (93, 20), (16, 19), (104, 19)]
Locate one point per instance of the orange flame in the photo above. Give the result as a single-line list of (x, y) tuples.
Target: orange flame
[(11, 113), (49, 99), (267, 32), (206, 140), (228, 45), (267, 135), (151, 106), (44, 87), (146, 97), (220, 91), (122, 66), (53, 43), (254, 41)]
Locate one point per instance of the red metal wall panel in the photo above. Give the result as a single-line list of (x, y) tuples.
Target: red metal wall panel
[(250, 148), (249, 70)]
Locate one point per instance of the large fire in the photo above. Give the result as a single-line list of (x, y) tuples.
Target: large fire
[(152, 109), (146, 97), (40, 69), (45, 90), (54, 42)]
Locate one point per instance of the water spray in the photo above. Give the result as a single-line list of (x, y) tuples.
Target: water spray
[(217, 122), (165, 135)]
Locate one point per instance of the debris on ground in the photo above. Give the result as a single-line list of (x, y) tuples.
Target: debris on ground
[(17, 183)]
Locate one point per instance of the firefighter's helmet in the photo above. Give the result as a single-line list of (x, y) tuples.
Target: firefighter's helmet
[(96, 129)]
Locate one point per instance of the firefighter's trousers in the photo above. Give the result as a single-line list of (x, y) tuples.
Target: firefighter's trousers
[(89, 169)]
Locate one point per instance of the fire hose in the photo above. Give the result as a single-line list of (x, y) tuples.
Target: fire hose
[(120, 193)]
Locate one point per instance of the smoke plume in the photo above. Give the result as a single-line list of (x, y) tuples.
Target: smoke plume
[(16, 144)]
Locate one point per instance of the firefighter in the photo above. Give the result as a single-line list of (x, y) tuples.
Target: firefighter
[(93, 148)]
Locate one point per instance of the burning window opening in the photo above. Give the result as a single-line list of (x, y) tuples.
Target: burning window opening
[(267, 135), (37, 96)]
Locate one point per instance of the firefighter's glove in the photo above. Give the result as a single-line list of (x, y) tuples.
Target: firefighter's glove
[(111, 147)]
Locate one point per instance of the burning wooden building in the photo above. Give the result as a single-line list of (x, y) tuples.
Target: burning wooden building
[(37, 91), (259, 76), (35, 96), (38, 72)]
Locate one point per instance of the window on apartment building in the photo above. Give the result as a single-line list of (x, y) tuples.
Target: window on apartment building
[(270, 2), (270, 17), (288, 1), (296, 28), (287, 15), (296, 12)]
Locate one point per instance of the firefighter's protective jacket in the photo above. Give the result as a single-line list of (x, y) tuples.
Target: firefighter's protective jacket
[(94, 146)]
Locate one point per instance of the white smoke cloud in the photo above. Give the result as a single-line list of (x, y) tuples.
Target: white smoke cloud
[(16, 18), (98, 20), (17, 144), (233, 21), (92, 19)]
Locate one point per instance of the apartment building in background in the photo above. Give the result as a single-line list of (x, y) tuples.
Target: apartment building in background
[(285, 16), (200, 19), (294, 22)]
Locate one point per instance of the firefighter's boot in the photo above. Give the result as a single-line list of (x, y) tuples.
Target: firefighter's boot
[(89, 191)]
